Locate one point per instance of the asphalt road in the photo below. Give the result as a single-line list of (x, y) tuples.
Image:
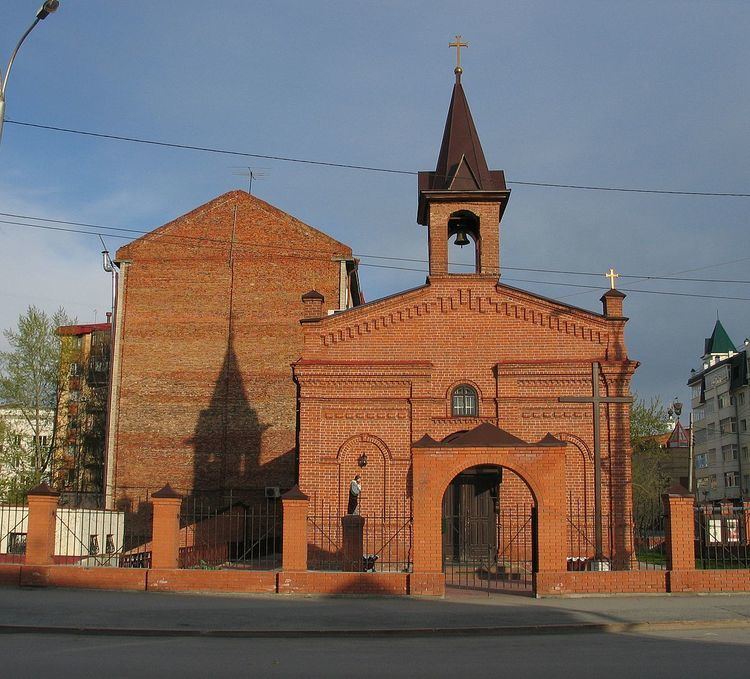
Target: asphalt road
[(723, 653)]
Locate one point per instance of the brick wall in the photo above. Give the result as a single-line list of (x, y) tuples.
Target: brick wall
[(203, 396), (432, 469), (612, 582), (377, 378)]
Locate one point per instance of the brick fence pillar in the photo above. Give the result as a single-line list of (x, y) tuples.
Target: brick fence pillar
[(352, 541), (40, 531), (294, 504), (680, 529), (165, 540)]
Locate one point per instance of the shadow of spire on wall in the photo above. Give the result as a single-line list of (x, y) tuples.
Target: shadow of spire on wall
[(228, 440)]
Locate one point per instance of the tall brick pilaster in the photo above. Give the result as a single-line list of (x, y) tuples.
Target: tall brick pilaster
[(40, 531), (295, 505), (680, 529), (165, 547)]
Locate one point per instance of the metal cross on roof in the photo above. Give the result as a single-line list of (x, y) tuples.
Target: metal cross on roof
[(612, 274), (458, 44)]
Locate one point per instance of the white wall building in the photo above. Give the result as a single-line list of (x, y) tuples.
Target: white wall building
[(21, 434), (721, 414)]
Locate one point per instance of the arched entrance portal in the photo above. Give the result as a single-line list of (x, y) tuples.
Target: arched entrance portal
[(536, 468), (489, 530)]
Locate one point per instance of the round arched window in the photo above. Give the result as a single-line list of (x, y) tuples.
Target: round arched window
[(464, 402)]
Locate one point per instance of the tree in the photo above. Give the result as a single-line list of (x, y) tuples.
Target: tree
[(647, 421), (16, 475), (29, 382)]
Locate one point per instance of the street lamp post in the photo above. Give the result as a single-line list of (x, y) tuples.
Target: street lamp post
[(45, 10)]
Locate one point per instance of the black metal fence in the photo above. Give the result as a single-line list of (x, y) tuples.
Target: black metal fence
[(103, 537), (386, 539), (649, 540), (13, 529), (721, 537), (225, 533), (630, 540)]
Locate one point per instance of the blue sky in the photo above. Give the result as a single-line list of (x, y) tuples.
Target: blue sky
[(639, 94)]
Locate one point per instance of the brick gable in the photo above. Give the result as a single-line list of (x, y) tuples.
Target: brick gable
[(208, 324)]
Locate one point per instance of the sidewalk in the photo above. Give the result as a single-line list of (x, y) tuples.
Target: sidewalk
[(142, 613)]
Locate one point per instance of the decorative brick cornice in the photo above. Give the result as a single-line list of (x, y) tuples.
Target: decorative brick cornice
[(556, 414), (552, 381), (445, 299), (363, 414)]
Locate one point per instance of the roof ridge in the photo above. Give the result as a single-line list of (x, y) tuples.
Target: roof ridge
[(218, 202)]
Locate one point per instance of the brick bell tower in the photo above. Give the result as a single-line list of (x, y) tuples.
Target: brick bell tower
[(462, 197)]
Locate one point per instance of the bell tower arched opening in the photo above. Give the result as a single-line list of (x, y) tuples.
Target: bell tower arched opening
[(464, 243)]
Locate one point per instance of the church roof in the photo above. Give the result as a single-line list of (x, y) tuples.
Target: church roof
[(461, 164), (209, 224), (485, 435), (719, 342)]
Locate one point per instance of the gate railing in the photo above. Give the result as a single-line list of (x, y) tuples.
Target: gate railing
[(630, 540), (13, 530), (506, 565), (386, 539), (722, 537), (103, 537), (230, 534)]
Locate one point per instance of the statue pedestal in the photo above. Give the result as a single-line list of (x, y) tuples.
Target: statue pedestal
[(352, 542)]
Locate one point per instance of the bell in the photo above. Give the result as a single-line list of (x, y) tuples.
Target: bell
[(461, 238)]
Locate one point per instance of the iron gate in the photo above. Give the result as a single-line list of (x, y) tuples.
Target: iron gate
[(504, 563)]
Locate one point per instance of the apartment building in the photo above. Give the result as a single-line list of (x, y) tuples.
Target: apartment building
[(81, 413), (721, 412)]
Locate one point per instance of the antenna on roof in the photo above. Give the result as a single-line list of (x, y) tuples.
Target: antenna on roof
[(251, 173)]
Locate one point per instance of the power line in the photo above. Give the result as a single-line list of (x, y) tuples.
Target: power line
[(676, 273), (220, 241), (364, 168), (385, 266), (207, 149)]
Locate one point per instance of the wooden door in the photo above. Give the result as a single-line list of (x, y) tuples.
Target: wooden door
[(470, 516)]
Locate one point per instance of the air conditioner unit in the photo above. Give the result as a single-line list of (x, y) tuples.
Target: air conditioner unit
[(273, 491)]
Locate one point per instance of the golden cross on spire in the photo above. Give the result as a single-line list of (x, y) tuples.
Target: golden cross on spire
[(458, 45), (612, 274)]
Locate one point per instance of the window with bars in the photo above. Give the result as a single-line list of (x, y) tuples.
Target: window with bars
[(464, 402)]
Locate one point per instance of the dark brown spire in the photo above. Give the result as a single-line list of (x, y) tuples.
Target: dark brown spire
[(461, 165)]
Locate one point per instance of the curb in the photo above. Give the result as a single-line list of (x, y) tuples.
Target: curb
[(573, 628)]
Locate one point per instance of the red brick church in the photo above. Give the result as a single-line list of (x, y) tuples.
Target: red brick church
[(454, 394), (464, 400)]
